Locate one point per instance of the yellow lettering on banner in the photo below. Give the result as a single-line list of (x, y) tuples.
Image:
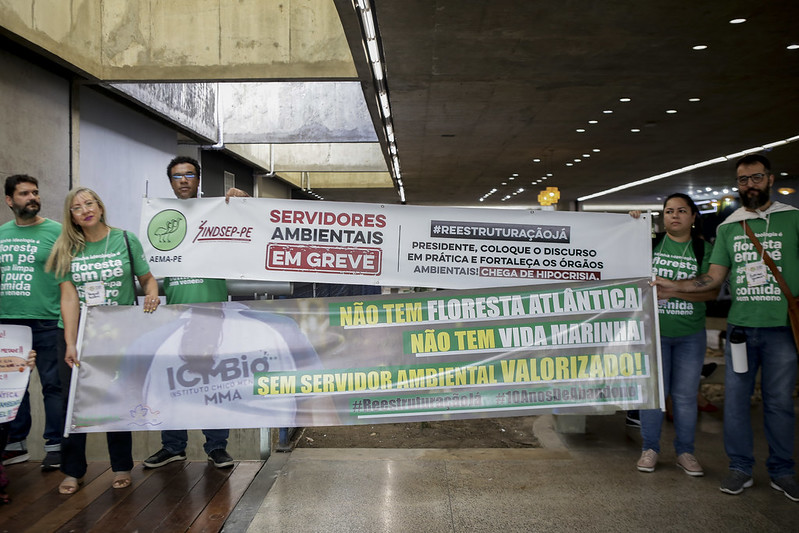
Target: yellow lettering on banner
[(596, 367), (547, 368), (345, 316), (400, 313), (582, 365), (561, 368), (611, 365), (476, 339), (277, 385)]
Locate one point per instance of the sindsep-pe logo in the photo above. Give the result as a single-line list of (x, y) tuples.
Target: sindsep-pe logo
[(167, 230)]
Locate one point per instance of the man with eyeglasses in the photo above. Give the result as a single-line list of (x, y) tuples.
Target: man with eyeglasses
[(184, 176), (29, 296), (760, 310)]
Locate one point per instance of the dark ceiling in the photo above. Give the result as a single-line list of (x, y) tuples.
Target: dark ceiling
[(479, 89)]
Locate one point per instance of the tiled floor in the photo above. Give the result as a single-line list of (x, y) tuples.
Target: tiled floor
[(582, 482)]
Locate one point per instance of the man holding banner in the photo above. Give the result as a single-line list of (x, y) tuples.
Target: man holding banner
[(184, 176), (745, 241)]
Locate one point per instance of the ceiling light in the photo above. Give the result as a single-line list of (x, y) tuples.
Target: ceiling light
[(783, 173), (580, 130), (511, 178), (725, 191), (785, 190), (793, 46), (515, 174), (693, 99), (577, 160), (737, 21), (569, 164), (593, 122), (701, 164), (549, 174), (635, 130), (504, 183), (536, 160), (735, 189), (671, 111), (608, 111), (586, 155), (700, 47), (624, 99), (595, 150)]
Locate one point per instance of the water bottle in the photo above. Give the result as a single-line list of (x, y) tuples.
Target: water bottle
[(737, 342)]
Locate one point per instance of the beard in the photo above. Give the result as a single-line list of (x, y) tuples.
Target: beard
[(27, 211), (754, 201)]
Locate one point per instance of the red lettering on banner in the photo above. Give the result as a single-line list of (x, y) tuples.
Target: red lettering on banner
[(330, 259)]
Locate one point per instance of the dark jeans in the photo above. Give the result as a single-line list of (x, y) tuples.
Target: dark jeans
[(46, 336), (175, 440), (73, 448)]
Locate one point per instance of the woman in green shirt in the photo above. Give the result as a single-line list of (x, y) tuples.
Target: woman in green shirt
[(679, 253)]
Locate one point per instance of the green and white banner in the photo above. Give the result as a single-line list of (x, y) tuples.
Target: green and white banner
[(586, 347), (389, 245)]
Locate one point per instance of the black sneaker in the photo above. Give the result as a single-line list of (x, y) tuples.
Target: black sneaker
[(220, 458), (633, 419), (162, 457), (788, 485), (735, 482), (12, 457), (51, 461)]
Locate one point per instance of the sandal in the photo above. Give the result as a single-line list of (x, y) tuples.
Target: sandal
[(70, 485), (121, 480)]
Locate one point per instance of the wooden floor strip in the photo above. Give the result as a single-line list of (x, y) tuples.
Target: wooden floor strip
[(180, 496), (219, 508)]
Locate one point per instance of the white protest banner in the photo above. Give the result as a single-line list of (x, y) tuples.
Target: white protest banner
[(389, 245), (15, 343), (511, 351)]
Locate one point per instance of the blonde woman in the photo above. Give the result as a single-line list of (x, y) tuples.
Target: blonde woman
[(80, 259)]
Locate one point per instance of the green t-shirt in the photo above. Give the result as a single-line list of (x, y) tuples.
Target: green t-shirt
[(26, 290), (107, 260), (760, 306), (195, 290), (676, 260)]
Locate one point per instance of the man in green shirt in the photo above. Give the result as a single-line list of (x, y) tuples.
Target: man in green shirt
[(760, 311), (184, 176), (29, 296)]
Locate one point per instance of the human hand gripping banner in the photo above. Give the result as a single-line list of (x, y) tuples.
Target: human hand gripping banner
[(585, 347), (389, 245)]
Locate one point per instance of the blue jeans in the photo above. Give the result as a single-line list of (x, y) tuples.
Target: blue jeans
[(175, 440), (772, 350), (682, 368), (46, 335)]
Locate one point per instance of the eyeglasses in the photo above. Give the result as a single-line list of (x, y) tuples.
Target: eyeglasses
[(88, 206), (756, 178), (181, 176)]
